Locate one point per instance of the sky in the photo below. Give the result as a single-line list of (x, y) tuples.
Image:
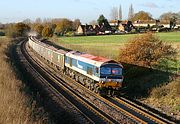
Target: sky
[(85, 10)]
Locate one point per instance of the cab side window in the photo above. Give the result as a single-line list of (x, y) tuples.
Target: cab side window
[(89, 70)]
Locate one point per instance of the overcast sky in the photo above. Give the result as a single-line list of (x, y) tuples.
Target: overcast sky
[(85, 10)]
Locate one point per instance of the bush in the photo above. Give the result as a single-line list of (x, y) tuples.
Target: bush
[(146, 50)]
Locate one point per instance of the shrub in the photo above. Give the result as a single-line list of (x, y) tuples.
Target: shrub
[(146, 50)]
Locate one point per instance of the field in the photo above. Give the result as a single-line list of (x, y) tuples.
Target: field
[(156, 89), (15, 105), (109, 45)]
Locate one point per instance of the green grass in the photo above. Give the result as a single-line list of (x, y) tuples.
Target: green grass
[(170, 36), (108, 45), (98, 39)]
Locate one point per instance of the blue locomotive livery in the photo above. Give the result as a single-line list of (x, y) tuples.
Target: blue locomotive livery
[(99, 74)]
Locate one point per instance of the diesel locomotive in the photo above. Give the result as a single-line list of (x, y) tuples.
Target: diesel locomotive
[(99, 74)]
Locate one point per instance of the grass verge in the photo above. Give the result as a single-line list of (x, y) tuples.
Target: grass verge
[(16, 106)]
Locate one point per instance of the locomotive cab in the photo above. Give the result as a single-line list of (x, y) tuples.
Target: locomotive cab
[(111, 76)]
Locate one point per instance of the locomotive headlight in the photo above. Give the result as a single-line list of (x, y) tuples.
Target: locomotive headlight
[(119, 80), (103, 79)]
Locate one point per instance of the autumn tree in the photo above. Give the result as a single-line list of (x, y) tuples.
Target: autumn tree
[(10, 30), (21, 29), (47, 31), (17, 29), (143, 16), (146, 50), (63, 26), (38, 28)]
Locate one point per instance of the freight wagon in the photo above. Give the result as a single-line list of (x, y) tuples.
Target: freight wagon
[(99, 74)]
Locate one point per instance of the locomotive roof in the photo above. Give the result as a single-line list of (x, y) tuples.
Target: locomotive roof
[(88, 58)]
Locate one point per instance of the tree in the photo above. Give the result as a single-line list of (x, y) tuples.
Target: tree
[(38, 28), (131, 12), (76, 24), (146, 50), (47, 31), (173, 22), (10, 30), (103, 22), (27, 21), (120, 13), (143, 16), (166, 17), (17, 30), (21, 29), (114, 13), (38, 20), (101, 19), (63, 26)]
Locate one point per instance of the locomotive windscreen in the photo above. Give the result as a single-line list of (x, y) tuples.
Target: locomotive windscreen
[(110, 70)]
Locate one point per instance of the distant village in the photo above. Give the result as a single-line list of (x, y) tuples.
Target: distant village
[(120, 27), (137, 23)]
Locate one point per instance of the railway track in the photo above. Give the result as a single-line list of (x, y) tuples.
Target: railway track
[(139, 111), (115, 110), (86, 109)]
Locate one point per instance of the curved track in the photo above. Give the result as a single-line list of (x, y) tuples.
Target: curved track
[(81, 106), (142, 113), (106, 110)]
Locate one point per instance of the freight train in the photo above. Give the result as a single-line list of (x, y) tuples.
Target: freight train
[(101, 75)]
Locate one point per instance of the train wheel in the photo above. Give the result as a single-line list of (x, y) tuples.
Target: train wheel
[(112, 93), (96, 89), (76, 78)]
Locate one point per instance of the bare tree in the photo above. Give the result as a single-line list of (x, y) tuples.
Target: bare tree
[(166, 17), (27, 21), (131, 12), (114, 13), (38, 20), (120, 13), (76, 24)]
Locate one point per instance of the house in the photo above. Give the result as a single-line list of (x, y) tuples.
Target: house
[(121, 27), (85, 30), (96, 28)]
